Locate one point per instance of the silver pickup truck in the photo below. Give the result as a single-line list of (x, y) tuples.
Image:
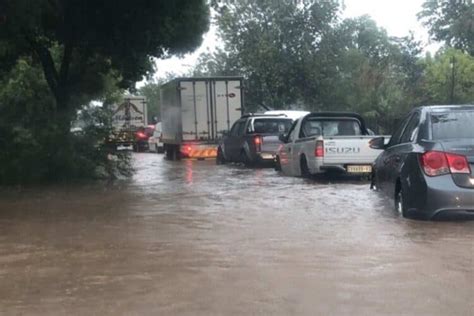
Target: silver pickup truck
[(326, 141)]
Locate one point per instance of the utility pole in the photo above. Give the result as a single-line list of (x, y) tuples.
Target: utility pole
[(452, 65)]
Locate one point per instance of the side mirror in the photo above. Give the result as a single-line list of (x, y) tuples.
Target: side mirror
[(225, 133), (283, 138), (377, 143)]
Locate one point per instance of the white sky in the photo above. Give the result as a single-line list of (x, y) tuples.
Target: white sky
[(398, 17)]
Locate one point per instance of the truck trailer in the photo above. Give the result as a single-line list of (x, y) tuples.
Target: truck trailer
[(197, 112), (129, 121)]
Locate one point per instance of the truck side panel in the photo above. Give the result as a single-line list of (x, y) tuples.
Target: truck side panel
[(188, 110), (171, 114)]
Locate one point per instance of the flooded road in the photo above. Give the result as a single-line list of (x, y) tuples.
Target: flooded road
[(193, 238)]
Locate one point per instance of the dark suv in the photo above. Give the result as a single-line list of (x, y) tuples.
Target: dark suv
[(427, 167), (253, 139)]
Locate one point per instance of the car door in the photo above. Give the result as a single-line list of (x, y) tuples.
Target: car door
[(286, 153), (395, 155), (231, 142)]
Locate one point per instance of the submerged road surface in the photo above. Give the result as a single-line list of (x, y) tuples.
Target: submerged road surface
[(193, 238)]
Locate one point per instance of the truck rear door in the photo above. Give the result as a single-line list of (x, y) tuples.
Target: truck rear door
[(226, 105), (195, 112)]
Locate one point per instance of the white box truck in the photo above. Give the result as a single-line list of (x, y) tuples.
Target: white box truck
[(196, 112), (129, 120)]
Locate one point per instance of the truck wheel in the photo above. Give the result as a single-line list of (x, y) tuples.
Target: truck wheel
[(220, 159), (176, 153), (304, 167), (169, 152), (277, 164)]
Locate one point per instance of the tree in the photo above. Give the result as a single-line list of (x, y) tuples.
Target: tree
[(75, 41), (273, 44), (58, 55), (151, 91), (446, 82), (304, 56), (451, 22)]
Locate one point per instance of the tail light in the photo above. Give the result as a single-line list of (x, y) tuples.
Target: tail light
[(258, 143), (319, 150), (436, 163), (458, 164), (186, 150), (141, 135)]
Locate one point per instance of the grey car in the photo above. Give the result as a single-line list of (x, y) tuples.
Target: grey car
[(253, 139), (427, 167)]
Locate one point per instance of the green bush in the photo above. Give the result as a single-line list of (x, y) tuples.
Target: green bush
[(36, 144)]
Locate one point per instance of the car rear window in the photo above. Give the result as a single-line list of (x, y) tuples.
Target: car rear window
[(271, 126), (331, 127), (452, 124)]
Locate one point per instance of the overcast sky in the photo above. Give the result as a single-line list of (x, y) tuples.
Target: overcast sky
[(398, 17)]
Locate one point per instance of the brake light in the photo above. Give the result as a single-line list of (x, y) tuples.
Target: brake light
[(458, 163), (186, 150), (258, 143), (141, 135), (319, 150), (436, 163)]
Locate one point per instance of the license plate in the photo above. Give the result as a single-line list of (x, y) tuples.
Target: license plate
[(122, 147), (267, 156), (359, 169)]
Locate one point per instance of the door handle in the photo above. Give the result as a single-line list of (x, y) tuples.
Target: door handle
[(289, 149)]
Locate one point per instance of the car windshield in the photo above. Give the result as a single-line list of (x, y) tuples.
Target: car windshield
[(452, 124), (331, 127), (271, 125)]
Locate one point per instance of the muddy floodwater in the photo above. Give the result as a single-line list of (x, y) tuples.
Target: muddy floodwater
[(193, 238)]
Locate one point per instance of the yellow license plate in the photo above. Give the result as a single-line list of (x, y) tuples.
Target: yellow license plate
[(359, 169)]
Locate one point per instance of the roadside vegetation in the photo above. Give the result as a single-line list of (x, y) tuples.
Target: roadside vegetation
[(305, 56), (57, 56)]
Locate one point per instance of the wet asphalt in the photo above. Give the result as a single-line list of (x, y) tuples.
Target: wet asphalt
[(193, 238)]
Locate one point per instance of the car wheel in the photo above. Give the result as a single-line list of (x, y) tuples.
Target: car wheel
[(373, 183), (220, 159), (277, 164), (304, 167), (244, 158), (400, 201)]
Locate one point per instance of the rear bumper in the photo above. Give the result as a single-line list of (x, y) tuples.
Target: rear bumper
[(441, 198), (266, 156), (341, 169)]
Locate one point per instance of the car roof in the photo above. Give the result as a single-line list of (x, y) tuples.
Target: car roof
[(436, 108), (262, 115), (294, 114), (335, 114)]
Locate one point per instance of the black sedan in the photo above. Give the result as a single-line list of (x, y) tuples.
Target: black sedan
[(427, 167)]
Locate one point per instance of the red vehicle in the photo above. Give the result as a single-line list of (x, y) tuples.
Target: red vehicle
[(141, 137)]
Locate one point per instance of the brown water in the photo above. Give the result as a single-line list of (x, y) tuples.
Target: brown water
[(193, 238)]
